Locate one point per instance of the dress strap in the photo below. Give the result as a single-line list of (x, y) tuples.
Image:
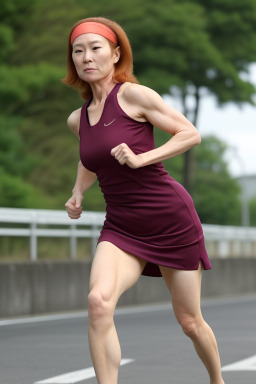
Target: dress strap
[(116, 88)]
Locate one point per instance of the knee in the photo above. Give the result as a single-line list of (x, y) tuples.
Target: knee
[(99, 308), (191, 326)]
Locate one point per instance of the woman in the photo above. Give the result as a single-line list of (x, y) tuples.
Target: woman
[(151, 225)]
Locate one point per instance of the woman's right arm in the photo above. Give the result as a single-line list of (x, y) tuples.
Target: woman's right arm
[(84, 180)]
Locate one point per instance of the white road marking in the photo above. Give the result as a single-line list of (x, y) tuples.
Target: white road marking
[(84, 314), (76, 376), (242, 365), (125, 310), (36, 319)]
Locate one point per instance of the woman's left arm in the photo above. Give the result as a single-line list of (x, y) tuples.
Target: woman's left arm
[(151, 106)]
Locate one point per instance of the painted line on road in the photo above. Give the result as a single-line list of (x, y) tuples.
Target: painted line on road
[(36, 319), (127, 310), (84, 314), (76, 376), (248, 364)]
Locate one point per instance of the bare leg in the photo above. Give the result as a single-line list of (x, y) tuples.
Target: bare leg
[(185, 288), (113, 272)]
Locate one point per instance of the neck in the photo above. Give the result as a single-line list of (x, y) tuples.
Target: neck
[(101, 89)]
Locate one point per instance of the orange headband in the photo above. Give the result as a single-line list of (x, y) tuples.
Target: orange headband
[(93, 27)]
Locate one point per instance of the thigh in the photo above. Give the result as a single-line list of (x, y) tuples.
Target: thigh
[(185, 288), (114, 271)]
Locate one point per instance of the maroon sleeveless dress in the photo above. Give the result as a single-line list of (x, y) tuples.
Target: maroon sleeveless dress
[(148, 213)]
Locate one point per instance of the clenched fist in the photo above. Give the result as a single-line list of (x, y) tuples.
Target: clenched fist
[(124, 155), (73, 206)]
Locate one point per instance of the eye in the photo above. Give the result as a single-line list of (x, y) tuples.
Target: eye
[(96, 48), (77, 50)]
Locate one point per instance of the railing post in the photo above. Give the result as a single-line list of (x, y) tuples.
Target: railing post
[(94, 239), (33, 239), (223, 248), (73, 242)]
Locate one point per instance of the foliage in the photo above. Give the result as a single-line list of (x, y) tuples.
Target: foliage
[(253, 212), (179, 46), (32, 81), (14, 192), (16, 163), (14, 16), (14, 157), (232, 27), (216, 193), (184, 46)]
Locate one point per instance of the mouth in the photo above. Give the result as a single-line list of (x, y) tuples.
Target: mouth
[(89, 70)]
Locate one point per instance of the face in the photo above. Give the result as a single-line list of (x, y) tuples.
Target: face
[(93, 57)]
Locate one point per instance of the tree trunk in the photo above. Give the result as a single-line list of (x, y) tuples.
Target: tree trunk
[(189, 160)]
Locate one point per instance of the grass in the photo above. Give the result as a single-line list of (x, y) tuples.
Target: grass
[(18, 249)]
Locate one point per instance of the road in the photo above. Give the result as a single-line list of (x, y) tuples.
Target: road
[(37, 349)]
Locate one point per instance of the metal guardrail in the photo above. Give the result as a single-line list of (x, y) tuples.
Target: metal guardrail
[(230, 241), (222, 241), (36, 217)]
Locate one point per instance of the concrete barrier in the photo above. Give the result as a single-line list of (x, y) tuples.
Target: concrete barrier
[(34, 288)]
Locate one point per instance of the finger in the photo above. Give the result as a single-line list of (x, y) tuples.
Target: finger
[(74, 216), (113, 150), (69, 203), (120, 152), (74, 210), (118, 147), (121, 160), (79, 200), (72, 203)]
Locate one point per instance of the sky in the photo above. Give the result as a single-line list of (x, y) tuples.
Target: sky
[(232, 124)]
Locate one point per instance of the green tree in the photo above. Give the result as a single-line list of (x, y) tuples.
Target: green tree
[(33, 91), (14, 158), (14, 192), (216, 192), (173, 51), (217, 44), (16, 163), (253, 212), (14, 16), (231, 27), (20, 84), (190, 48)]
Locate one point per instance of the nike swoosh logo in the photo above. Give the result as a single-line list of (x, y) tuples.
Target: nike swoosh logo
[(106, 125)]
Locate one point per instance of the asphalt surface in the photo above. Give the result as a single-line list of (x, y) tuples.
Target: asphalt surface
[(39, 349)]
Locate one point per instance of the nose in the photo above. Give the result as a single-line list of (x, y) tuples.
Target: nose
[(87, 56)]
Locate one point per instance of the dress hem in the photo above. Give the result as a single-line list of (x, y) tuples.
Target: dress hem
[(152, 269)]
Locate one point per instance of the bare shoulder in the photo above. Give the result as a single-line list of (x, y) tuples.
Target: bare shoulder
[(137, 100), (140, 95), (74, 121), (151, 106)]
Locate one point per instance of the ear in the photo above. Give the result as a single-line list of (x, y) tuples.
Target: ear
[(117, 54)]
